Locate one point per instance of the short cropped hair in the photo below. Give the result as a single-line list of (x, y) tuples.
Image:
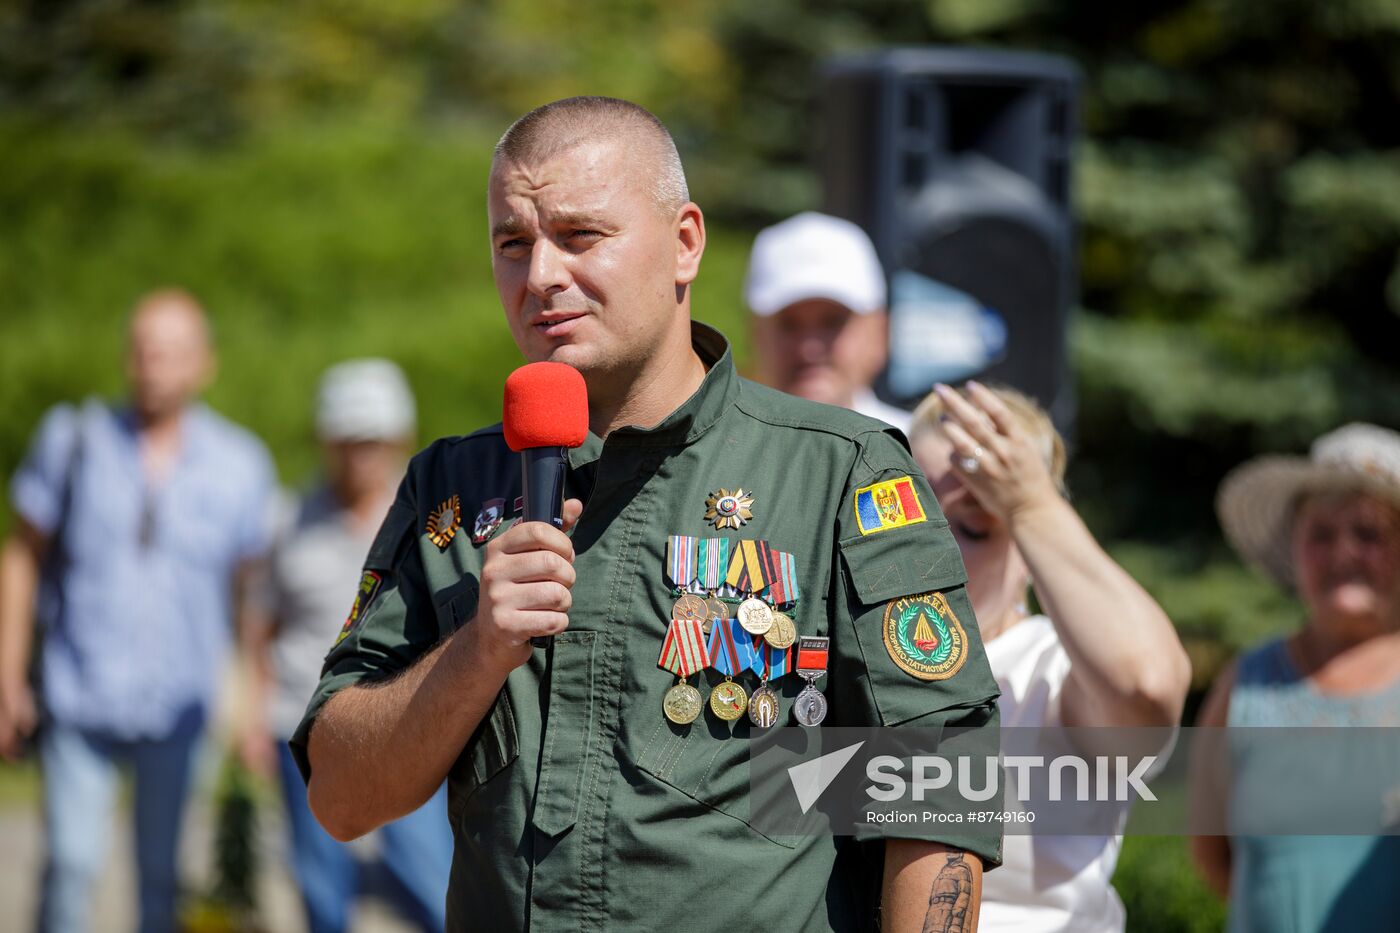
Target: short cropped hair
[(555, 127)]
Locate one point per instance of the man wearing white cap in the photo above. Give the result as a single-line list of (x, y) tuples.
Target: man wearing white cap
[(365, 424), (817, 293)]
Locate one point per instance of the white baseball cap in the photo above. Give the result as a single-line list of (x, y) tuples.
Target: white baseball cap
[(810, 256), (364, 400)]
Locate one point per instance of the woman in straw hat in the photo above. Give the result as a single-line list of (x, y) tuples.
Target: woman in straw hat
[(1326, 527), (1103, 654)]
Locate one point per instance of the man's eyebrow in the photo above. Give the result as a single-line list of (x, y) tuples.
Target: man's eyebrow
[(510, 226), (581, 219), (514, 226)]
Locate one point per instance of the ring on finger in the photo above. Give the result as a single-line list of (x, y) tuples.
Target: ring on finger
[(973, 463)]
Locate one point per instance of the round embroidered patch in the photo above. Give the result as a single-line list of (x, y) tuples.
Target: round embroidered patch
[(924, 637)]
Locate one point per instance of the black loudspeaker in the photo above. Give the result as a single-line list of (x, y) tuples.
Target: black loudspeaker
[(957, 163)]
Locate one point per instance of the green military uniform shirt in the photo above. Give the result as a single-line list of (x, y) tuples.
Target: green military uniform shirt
[(585, 808)]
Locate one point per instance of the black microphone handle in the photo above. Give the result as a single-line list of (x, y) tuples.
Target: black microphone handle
[(542, 488)]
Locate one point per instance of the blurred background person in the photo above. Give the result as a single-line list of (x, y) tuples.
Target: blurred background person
[(1102, 654), (1326, 527), (365, 423), (816, 293), (147, 519)]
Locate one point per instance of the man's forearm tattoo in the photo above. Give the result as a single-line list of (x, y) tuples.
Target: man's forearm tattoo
[(950, 901)]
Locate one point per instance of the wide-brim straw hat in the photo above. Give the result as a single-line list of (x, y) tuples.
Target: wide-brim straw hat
[(1257, 500)]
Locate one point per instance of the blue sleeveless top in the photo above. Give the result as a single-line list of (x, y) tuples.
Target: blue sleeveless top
[(1305, 884)]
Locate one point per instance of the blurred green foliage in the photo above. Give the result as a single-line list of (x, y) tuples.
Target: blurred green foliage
[(1161, 891), (235, 846), (308, 246), (313, 169), (19, 784)]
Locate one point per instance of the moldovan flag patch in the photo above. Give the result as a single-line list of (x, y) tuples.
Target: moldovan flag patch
[(893, 503)]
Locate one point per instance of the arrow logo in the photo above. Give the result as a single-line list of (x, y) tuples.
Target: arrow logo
[(811, 778)]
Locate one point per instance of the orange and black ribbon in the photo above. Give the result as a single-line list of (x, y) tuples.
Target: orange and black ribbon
[(748, 568)]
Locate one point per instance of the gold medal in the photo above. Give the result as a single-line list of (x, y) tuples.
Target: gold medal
[(763, 706), (690, 607), (719, 611), (728, 700), (755, 616), (783, 633), (681, 704)]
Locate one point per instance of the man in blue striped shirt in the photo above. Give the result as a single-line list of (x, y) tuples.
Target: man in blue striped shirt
[(144, 518)]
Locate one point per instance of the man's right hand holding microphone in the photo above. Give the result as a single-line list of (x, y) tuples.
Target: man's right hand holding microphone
[(527, 579)]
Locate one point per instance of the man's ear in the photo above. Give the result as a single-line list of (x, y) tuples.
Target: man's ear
[(690, 242)]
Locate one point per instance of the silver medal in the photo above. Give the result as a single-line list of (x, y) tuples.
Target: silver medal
[(810, 706)]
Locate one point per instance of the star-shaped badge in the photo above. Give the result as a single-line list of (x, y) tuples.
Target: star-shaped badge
[(725, 509), (444, 521)]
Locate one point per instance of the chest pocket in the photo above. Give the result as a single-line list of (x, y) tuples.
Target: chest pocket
[(707, 759), (489, 751), (570, 759)]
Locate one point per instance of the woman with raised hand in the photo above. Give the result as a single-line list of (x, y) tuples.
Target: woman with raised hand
[(1102, 654)]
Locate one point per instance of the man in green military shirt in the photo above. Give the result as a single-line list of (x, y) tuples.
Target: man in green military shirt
[(575, 803)]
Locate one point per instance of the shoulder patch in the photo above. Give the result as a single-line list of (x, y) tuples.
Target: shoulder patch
[(892, 503), (924, 637), (369, 588)]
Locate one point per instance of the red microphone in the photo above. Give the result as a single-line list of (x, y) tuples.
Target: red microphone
[(545, 413)]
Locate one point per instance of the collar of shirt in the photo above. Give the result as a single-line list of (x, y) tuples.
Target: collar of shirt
[(196, 430), (688, 423)]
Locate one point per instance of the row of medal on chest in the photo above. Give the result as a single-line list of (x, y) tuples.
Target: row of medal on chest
[(758, 637)]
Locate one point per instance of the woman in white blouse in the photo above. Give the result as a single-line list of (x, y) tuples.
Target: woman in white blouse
[(1103, 654)]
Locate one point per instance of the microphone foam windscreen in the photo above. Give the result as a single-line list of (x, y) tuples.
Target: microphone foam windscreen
[(546, 405)]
